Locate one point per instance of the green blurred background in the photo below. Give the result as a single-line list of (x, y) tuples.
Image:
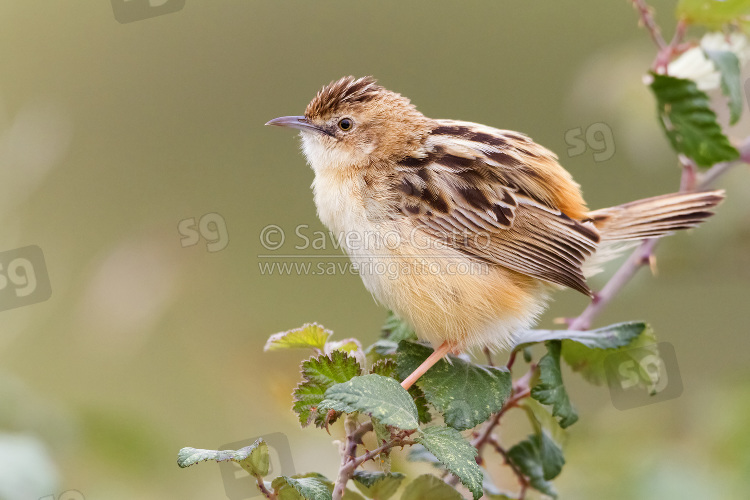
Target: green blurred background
[(111, 134)]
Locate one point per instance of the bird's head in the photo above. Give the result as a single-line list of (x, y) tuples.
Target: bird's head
[(356, 122)]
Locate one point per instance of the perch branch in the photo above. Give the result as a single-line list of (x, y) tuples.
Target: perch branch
[(643, 254)]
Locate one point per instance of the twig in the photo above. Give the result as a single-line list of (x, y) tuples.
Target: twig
[(381, 449), (637, 259), (521, 389), (484, 435), (646, 14), (262, 487), (666, 51), (522, 479), (488, 354), (348, 452), (689, 174), (349, 460), (361, 431), (511, 359), (642, 255), (666, 54)]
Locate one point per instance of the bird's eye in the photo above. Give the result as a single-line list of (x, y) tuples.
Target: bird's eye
[(345, 124)]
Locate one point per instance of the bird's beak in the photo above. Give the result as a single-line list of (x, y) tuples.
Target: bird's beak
[(298, 122)]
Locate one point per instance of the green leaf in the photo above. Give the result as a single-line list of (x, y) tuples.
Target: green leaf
[(308, 488), (350, 346), (542, 420), (254, 458), (382, 432), (617, 335), (381, 397), (397, 330), (310, 335), (636, 367), (384, 367), (429, 486), (550, 389), (383, 435), (455, 453), (465, 393), (377, 485), (689, 122), (382, 347), (714, 14), (387, 368), (318, 374), (546, 445), (728, 65), (420, 399), (419, 453), (526, 354), (540, 459), (289, 492), (588, 359)]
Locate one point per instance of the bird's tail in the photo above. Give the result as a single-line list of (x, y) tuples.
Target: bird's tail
[(624, 225), (655, 216)]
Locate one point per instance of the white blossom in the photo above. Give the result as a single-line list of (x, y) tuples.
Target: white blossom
[(694, 65)]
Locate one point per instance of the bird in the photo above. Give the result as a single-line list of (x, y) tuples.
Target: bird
[(461, 229)]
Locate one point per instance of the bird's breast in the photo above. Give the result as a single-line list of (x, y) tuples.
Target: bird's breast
[(442, 293)]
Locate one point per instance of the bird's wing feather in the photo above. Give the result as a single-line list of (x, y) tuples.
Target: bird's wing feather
[(483, 192)]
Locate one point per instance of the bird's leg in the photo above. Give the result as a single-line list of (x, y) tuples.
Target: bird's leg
[(428, 363)]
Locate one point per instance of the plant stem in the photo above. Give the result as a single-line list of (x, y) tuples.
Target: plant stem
[(511, 359), (646, 14), (637, 259), (488, 354), (348, 452), (522, 479), (262, 487), (381, 449), (521, 389), (349, 459), (643, 254)]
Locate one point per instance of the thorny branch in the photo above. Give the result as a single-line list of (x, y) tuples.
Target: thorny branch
[(644, 254), (522, 479), (349, 459)]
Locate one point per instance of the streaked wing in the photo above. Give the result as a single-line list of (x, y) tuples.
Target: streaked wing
[(474, 188)]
